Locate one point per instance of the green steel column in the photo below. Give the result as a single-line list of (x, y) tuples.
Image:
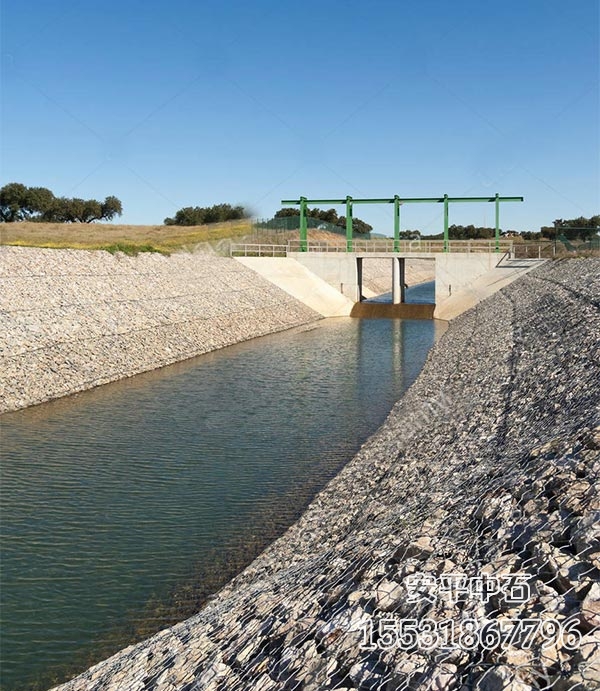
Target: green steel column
[(396, 223), (497, 202), (303, 230), (445, 223), (348, 224)]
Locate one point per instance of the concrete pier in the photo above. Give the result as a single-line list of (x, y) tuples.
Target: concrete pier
[(398, 280)]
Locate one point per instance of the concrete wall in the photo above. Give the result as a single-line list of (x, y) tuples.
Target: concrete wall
[(74, 319), (299, 282), (324, 296), (337, 269), (340, 271), (461, 279), (457, 270)]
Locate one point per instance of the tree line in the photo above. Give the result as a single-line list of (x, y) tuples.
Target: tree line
[(21, 203), (470, 232), (580, 228), (573, 229), (455, 232), (328, 216), (201, 215)]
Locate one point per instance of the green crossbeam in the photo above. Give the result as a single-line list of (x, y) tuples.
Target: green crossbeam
[(403, 200), (397, 201)]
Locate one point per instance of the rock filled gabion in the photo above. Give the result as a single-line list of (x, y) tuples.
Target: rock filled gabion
[(460, 548), (74, 319)]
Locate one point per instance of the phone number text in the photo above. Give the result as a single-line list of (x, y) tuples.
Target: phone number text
[(469, 634)]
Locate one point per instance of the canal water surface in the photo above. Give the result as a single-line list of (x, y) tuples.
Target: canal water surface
[(125, 506)]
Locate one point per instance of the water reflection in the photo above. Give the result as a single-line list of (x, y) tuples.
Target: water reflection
[(114, 497)]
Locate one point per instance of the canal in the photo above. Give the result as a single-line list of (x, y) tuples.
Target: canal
[(125, 506)]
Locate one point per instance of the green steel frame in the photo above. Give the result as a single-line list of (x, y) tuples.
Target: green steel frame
[(397, 201)]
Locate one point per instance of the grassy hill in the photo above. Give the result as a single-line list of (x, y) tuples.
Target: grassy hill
[(133, 239), (129, 239)]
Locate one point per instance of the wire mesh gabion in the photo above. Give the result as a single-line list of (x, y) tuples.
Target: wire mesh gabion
[(460, 548)]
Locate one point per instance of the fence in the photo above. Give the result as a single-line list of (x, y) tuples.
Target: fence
[(536, 250), (249, 249), (370, 246), (549, 250)]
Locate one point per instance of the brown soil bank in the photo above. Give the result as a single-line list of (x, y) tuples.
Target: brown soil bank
[(486, 475)]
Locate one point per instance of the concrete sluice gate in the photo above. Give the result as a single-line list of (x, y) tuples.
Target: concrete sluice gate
[(398, 280), (462, 279)]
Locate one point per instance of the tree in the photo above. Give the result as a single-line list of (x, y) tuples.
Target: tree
[(39, 200), (188, 216), (76, 210), (21, 203), (286, 212), (410, 235), (14, 202), (328, 216), (471, 232), (358, 225), (80, 210), (200, 215), (110, 208), (580, 228), (530, 235)]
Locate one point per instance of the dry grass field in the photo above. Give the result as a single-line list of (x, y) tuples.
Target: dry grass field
[(133, 239), (129, 239)]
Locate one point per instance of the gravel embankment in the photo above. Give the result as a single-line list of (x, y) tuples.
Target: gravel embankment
[(74, 319), (489, 468)]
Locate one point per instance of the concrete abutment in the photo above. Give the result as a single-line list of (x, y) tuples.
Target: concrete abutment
[(462, 279)]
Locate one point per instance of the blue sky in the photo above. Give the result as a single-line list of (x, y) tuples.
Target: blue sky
[(171, 104)]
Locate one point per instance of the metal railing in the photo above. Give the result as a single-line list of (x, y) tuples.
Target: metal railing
[(368, 246), (537, 250), (249, 249), (513, 250), (548, 250)]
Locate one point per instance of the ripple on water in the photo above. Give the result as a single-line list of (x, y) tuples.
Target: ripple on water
[(113, 498)]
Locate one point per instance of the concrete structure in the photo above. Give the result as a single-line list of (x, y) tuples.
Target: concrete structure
[(461, 278), (458, 270), (398, 280), (309, 287), (343, 270), (456, 294), (377, 277), (338, 269), (331, 285), (388, 310)]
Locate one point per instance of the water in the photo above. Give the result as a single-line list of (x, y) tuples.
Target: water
[(124, 506)]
